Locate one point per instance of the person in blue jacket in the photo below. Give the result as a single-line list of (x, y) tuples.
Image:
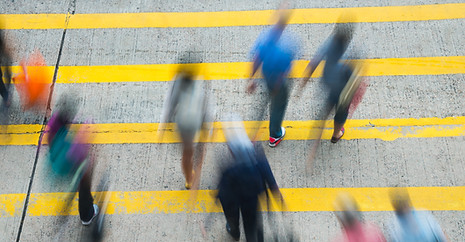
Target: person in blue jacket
[(274, 51)]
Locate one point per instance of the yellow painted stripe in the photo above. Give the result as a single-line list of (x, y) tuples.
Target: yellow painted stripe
[(230, 18), (127, 133), (33, 21), (241, 70), (11, 205), (20, 134), (297, 200)]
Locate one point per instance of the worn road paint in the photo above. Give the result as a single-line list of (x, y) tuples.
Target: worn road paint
[(127, 133), (297, 200)]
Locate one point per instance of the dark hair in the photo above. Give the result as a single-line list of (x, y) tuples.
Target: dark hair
[(344, 31), (187, 68), (68, 107)]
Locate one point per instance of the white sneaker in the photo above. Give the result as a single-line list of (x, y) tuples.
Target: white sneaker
[(95, 215)]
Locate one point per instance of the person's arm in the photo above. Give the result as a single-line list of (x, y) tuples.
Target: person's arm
[(168, 109), (7, 64), (209, 111), (52, 127), (255, 54), (6, 61), (311, 67), (267, 174), (265, 169), (251, 83)]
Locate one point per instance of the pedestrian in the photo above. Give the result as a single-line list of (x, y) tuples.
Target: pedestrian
[(186, 105), (5, 74), (336, 74), (274, 51), (353, 228), (68, 154), (410, 224), (246, 177)]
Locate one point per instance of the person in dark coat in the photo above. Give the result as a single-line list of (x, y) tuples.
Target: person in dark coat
[(5, 74), (247, 176), (336, 74)]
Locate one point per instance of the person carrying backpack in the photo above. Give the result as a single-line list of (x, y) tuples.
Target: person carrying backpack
[(68, 155), (336, 75)]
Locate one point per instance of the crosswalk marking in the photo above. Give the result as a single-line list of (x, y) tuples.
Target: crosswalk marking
[(136, 133), (230, 18), (297, 200), (241, 70)]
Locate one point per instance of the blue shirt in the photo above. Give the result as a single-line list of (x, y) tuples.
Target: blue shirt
[(416, 226), (276, 50)]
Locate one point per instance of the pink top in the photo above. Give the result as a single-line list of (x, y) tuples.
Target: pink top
[(361, 232)]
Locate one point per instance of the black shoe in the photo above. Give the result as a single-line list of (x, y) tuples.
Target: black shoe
[(235, 236), (86, 223)]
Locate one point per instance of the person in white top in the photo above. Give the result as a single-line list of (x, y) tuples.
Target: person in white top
[(186, 105)]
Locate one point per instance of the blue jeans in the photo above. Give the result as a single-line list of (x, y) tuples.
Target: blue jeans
[(278, 105)]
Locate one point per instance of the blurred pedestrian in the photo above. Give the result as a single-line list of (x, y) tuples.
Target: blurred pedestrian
[(186, 104), (33, 82), (353, 228), (247, 176), (274, 51), (336, 75), (5, 74), (411, 225), (68, 156)]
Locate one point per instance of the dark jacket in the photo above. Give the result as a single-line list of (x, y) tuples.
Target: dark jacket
[(242, 182)]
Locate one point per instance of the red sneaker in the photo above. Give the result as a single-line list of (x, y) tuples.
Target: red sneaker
[(275, 141)]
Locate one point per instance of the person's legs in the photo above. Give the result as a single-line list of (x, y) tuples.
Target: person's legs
[(252, 221), (231, 213), (3, 88), (259, 224), (277, 110), (339, 121), (341, 114), (199, 154), (187, 162), (187, 134), (86, 206)]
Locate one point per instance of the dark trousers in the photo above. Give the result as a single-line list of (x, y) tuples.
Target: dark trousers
[(4, 87), (278, 106), (251, 218), (86, 206), (336, 77)]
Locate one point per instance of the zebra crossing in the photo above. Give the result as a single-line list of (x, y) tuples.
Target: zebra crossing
[(118, 60)]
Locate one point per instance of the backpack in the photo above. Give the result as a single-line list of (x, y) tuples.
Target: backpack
[(58, 152)]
